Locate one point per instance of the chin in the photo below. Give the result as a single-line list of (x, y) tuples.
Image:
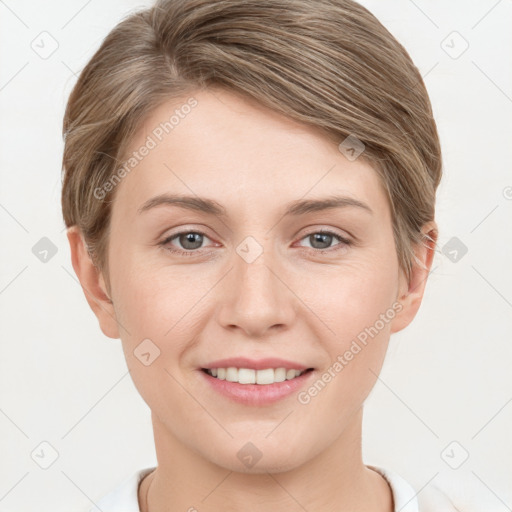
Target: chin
[(258, 457), (260, 468)]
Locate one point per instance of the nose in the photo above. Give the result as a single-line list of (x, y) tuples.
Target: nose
[(256, 297)]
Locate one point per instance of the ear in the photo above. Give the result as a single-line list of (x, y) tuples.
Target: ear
[(410, 294), (93, 283)]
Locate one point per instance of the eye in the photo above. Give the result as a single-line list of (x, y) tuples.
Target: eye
[(190, 241), (322, 240)]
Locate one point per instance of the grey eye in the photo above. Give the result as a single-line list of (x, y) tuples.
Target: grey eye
[(190, 240)]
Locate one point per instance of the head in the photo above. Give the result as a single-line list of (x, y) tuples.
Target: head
[(260, 111)]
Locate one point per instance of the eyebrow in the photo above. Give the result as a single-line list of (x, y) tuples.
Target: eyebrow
[(295, 208)]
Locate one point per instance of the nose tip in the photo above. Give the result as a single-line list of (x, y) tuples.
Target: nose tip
[(256, 300)]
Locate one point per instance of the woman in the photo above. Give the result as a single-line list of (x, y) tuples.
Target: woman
[(249, 191)]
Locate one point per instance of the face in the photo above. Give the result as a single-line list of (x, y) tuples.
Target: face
[(257, 272)]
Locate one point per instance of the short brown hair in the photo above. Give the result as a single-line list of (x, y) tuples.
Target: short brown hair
[(327, 63)]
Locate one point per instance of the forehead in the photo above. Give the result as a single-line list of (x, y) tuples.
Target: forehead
[(214, 143)]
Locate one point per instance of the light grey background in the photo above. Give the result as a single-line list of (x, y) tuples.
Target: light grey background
[(447, 376)]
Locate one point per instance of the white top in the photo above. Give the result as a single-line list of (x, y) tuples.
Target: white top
[(124, 498)]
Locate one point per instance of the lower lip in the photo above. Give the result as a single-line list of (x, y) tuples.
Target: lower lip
[(257, 394)]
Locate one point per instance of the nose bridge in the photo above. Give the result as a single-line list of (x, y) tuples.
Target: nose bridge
[(257, 298)]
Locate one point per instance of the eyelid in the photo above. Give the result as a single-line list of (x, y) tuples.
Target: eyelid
[(168, 238), (196, 228), (327, 229), (344, 241)]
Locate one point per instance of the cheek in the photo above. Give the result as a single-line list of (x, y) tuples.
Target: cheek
[(164, 305), (350, 296), (151, 298), (355, 305), (156, 308)]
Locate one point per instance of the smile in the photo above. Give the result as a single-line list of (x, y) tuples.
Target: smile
[(249, 376), (252, 387)]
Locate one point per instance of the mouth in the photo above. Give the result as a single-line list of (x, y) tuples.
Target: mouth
[(255, 382), (256, 388), (263, 377)]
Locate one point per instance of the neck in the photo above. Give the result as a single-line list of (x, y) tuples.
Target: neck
[(334, 480)]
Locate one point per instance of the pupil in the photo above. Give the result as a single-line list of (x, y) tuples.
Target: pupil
[(321, 237), (189, 238)]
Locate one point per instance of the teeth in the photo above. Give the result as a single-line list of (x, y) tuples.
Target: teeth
[(266, 376), (231, 374), (249, 376)]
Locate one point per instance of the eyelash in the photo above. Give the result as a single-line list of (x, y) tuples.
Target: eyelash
[(191, 252)]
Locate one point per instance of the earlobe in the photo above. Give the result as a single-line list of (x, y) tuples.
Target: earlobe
[(93, 283), (411, 294)]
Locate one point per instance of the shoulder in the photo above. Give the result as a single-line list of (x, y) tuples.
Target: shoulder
[(124, 497), (444, 492), (434, 499), (460, 491), (409, 499)]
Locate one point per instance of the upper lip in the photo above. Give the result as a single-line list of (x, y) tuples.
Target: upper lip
[(255, 364)]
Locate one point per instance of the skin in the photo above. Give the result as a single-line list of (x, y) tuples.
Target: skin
[(292, 302)]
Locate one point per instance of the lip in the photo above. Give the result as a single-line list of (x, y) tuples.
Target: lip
[(257, 394), (255, 364)]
